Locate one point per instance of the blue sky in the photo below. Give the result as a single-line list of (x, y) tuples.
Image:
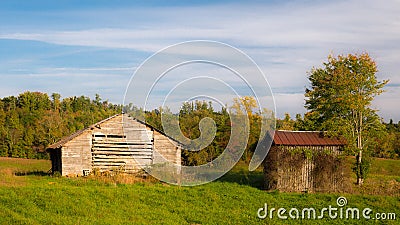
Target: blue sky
[(88, 47)]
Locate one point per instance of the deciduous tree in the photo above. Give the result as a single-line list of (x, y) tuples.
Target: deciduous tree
[(340, 99)]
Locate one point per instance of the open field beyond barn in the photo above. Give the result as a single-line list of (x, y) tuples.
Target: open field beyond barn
[(29, 196)]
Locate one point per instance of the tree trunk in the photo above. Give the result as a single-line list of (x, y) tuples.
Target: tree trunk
[(360, 179), (360, 176)]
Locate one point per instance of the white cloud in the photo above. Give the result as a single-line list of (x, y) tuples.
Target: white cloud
[(342, 23)]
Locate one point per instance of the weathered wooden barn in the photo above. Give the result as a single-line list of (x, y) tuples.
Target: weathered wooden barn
[(116, 143), (302, 161)]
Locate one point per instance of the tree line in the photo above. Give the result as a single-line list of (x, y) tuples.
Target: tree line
[(31, 121)]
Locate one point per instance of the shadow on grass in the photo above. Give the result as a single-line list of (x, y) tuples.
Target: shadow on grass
[(32, 173), (251, 178)]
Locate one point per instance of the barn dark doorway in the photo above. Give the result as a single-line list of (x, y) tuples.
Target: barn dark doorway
[(55, 157)]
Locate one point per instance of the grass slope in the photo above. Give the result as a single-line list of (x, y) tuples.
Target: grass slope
[(234, 199)]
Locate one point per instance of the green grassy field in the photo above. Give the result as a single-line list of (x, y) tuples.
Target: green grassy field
[(31, 197)]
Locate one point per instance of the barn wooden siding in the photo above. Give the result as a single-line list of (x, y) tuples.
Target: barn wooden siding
[(117, 143), (304, 161)]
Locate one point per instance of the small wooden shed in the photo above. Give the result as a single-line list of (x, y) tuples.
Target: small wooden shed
[(301, 161), (119, 142)]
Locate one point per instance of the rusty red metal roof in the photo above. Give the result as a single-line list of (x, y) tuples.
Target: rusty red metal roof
[(305, 138)]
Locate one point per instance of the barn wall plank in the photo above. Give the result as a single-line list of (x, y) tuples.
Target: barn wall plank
[(76, 155)]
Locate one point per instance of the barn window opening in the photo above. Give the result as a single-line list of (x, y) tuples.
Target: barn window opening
[(116, 136), (109, 136)]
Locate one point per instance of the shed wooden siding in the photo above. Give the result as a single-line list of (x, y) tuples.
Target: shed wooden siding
[(301, 176), (76, 154), (119, 142)]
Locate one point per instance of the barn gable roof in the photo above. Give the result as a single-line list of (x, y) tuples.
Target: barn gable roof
[(304, 138), (65, 140)]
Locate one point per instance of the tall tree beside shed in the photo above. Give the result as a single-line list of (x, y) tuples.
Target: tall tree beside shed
[(340, 99)]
